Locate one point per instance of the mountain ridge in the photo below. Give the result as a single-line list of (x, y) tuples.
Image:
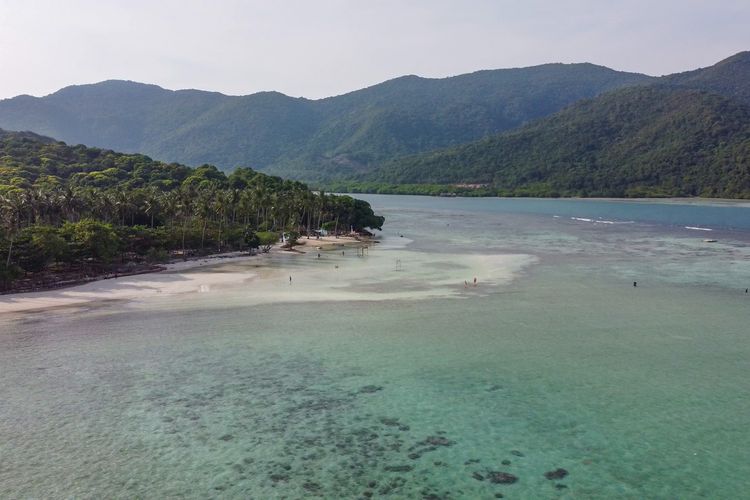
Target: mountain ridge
[(305, 138), (684, 135), (475, 127)]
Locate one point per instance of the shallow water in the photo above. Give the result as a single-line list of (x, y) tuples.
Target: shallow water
[(386, 376)]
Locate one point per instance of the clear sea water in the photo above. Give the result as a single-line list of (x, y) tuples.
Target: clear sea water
[(384, 375)]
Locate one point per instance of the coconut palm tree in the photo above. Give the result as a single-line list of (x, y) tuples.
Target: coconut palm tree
[(204, 209), (185, 206), (152, 200), (11, 208)]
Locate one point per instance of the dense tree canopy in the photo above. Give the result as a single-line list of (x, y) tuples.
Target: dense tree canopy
[(301, 138), (90, 208), (645, 141)]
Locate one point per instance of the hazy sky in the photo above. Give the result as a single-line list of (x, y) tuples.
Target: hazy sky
[(317, 48)]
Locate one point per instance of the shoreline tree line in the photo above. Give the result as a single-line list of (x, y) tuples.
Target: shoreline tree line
[(70, 212)]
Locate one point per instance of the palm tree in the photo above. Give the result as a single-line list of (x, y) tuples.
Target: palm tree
[(185, 197), (204, 208), (263, 201), (170, 202), (245, 206), (122, 201), (233, 200), (220, 204), (151, 203), (11, 207), (70, 202)]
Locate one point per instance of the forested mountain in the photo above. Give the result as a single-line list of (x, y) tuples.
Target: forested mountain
[(81, 210), (554, 129), (729, 78), (685, 135), (302, 138)]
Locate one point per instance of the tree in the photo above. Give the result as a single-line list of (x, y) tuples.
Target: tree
[(76, 204), (10, 215), (292, 239), (251, 240), (185, 209), (93, 239), (39, 246), (267, 239), (151, 203), (204, 208)]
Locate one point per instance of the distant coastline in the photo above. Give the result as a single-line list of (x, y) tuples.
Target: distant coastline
[(486, 191)]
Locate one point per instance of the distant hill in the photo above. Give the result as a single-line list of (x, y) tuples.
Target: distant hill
[(306, 139), (729, 78), (683, 135)]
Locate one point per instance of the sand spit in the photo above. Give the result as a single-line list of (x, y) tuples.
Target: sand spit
[(190, 276)]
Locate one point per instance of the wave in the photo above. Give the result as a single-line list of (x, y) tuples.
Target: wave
[(694, 228), (602, 221)]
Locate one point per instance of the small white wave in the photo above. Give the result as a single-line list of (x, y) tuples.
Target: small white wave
[(694, 228), (602, 221)]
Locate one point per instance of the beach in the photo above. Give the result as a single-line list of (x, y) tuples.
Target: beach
[(177, 278)]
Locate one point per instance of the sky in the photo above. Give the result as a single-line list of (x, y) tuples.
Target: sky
[(319, 48)]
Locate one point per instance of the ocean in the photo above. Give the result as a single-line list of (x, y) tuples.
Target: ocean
[(388, 372)]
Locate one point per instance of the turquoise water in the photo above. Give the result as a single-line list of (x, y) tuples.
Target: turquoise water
[(403, 383)]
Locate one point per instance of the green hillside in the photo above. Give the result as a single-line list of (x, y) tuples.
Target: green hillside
[(554, 129), (729, 78), (687, 135), (305, 139), (634, 142)]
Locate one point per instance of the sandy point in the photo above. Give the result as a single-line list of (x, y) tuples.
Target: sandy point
[(176, 278)]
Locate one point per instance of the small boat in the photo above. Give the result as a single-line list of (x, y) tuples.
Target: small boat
[(710, 241)]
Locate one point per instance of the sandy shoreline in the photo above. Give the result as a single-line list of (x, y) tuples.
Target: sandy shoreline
[(178, 277)]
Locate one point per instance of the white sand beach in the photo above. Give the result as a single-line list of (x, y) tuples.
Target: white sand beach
[(178, 278), (323, 270)]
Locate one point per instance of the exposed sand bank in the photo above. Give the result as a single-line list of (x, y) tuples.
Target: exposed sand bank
[(322, 270), (178, 278)]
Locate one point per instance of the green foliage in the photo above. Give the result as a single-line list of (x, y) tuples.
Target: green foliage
[(727, 78), (300, 138), (92, 239), (330, 226), (157, 255), (350, 136), (682, 135), (360, 215), (292, 239), (355, 187), (89, 208), (38, 246), (9, 273), (266, 239), (252, 240), (646, 141)]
